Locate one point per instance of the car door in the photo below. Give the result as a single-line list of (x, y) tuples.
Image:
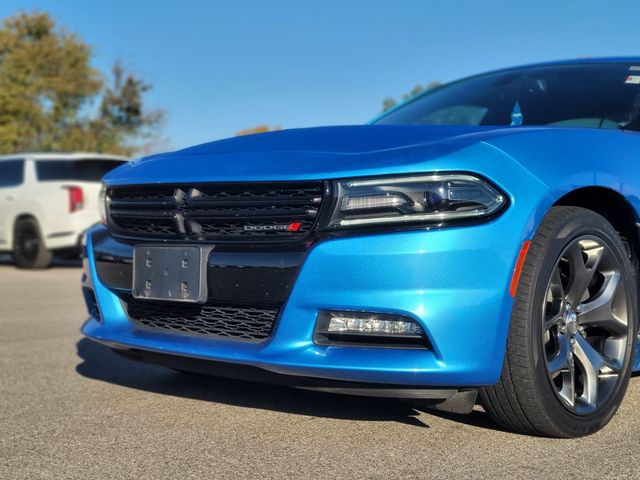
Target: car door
[(12, 174)]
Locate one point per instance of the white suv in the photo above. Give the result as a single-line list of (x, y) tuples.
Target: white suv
[(47, 201)]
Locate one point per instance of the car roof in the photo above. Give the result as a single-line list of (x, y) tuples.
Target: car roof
[(573, 61), (64, 156)]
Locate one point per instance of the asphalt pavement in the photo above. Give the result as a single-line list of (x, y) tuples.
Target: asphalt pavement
[(70, 408)]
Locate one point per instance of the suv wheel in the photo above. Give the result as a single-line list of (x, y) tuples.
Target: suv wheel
[(572, 332), (29, 250)]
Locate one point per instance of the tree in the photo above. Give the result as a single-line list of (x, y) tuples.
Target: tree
[(389, 102), (262, 128), (49, 91)]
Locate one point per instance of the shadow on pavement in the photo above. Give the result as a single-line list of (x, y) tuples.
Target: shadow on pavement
[(100, 363)]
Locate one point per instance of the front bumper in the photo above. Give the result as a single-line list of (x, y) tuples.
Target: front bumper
[(256, 374), (454, 282)]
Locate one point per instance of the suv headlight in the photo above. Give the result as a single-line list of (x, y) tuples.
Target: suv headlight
[(430, 198)]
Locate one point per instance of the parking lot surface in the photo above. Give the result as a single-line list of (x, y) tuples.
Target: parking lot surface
[(70, 408)]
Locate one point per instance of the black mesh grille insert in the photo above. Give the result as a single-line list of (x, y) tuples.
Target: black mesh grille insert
[(258, 211), (231, 321)]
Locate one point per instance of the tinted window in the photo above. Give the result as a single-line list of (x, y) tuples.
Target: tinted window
[(11, 173), (591, 95), (79, 170)]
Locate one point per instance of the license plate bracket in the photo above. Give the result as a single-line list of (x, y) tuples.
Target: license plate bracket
[(170, 273)]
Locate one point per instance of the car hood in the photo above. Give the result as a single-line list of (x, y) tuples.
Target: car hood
[(310, 153)]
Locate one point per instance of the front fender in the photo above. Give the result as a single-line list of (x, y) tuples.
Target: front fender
[(567, 159)]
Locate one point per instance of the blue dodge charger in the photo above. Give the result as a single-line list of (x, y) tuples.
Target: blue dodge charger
[(479, 243)]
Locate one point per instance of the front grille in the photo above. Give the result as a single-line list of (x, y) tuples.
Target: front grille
[(216, 320), (231, 211)]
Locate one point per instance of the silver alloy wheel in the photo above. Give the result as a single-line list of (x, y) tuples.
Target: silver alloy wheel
[(585, 324)]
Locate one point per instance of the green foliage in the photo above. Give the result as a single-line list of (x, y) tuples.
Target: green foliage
[(48, 88), (389, 103), (263, 128)]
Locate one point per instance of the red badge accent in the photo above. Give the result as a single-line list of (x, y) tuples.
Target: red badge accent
[(294, 227)]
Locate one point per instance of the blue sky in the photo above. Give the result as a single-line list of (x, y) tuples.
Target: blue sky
[(221, 66)]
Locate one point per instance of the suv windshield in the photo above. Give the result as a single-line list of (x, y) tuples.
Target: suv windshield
[(589, 95), (85, 170)]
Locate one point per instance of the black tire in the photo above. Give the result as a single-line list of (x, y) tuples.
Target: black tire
[(528, 397), (29, 250)]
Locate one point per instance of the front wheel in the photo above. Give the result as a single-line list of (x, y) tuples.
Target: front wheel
[(572, 332)]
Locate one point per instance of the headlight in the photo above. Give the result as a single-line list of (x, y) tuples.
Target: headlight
[(430, 198)]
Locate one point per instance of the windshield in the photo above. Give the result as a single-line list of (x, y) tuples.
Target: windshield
[(589, 95)]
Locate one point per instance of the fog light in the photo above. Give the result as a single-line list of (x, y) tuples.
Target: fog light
[(363, 323), (344, 327)]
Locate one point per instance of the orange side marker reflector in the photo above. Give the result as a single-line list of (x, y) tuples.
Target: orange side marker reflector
[(518, 270)]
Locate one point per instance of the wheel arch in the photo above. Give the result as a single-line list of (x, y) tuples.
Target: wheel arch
[(24, 216), (613, 206)]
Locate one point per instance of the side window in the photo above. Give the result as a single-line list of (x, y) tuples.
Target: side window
[(11, 173), (84, 170)]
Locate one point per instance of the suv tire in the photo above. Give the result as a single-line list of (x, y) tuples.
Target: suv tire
[(29, 250)]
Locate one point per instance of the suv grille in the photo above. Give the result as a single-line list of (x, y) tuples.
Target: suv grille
[(231, 321), (257, 211)]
